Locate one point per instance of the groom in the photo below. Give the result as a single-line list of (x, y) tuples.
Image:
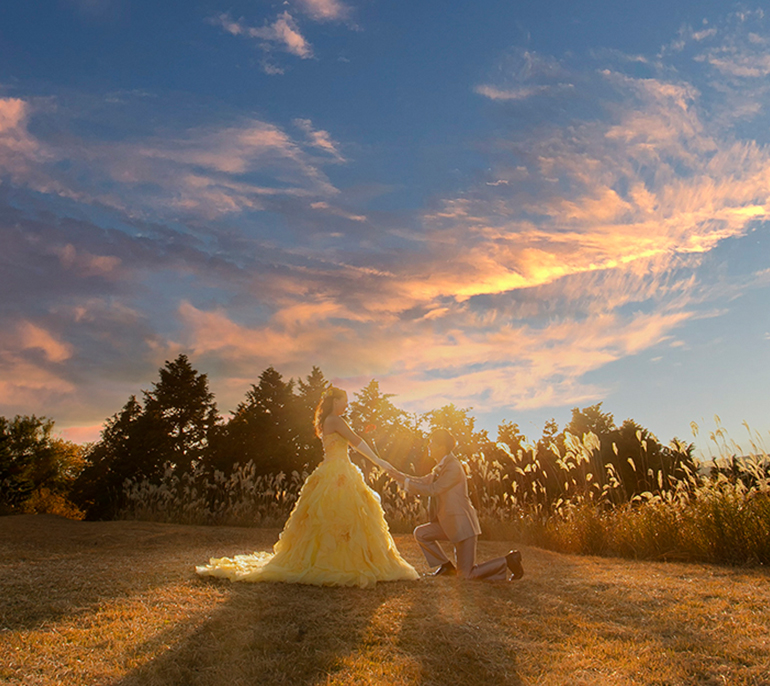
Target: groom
[(453, 517)]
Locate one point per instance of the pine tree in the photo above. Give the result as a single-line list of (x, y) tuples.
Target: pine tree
[(179, 416), (174, 426), (310, 392), (262, 429)]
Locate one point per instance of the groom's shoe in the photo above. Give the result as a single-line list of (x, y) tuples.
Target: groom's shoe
[(447, 569), (513, 560)]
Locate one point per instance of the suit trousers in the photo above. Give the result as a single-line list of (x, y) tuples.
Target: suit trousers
[(428, 537)]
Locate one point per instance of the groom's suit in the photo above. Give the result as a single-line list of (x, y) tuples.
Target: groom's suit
[(452, 518)]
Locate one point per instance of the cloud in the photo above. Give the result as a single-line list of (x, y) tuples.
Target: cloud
[(272, 69), (523, 75), (734, 59), (80, 434), (739, 64), (337, 211), (30, 337), (655, 178), (736, 50), (324, 10), (205, 171), (600, 215), (452, 357), (282, 33), (208, 171), (84, 262), (14, 138), (31, 362), (21, 153), (523, 367), (319, 139), (520, 93), (586, 241)]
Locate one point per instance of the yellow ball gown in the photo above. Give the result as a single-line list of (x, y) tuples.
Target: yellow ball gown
[(336, 534)]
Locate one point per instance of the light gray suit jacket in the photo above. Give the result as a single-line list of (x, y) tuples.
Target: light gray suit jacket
[(447, 484)]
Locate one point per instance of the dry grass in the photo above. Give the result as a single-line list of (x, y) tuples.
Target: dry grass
[(698, 515), (117, 603)]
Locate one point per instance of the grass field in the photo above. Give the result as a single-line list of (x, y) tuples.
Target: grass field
[(117, 603)]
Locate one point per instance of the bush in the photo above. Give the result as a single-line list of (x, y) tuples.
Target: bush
[(36, 469)]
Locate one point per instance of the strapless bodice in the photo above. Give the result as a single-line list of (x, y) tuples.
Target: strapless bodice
[(335, 447)]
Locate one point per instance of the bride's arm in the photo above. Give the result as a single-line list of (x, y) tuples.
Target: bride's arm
[(369, 454), (335, 423)]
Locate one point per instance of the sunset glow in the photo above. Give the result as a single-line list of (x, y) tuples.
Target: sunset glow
[(503, 208)]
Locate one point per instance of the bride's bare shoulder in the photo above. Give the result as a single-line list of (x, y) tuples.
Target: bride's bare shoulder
[(332, 424), (336, 424)]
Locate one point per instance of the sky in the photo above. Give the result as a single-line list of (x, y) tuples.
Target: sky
[(516, 207)]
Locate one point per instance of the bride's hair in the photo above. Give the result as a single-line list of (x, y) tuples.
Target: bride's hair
[(325, 407)]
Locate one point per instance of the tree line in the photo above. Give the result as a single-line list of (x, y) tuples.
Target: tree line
[(176, 425)]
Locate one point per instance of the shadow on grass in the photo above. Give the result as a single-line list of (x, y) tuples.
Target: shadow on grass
[(431, 632), (452, 633), (570, 621), (267, 634)]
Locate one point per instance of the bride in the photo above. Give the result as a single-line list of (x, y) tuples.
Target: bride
[(336, 534)]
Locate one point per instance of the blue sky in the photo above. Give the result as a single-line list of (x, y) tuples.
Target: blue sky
[(519, 207)]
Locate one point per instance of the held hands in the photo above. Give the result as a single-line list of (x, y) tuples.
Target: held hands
[(388, 468), (398, 477), (392, 472), (370, 455)]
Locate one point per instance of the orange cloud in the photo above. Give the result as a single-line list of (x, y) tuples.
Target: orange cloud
[(14, 114), (32, 337), (30, 365), (21, 154)]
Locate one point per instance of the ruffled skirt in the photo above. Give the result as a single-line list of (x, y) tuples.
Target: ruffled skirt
[(336, 535)]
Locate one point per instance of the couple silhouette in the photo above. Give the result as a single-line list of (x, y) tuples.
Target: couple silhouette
[(337, 535)]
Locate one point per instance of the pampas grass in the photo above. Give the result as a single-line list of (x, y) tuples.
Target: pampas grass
[(719, 513)]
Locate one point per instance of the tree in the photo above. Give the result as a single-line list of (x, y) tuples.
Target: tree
[(389, 429), (590, 420), (545, 469), (310, 449), (35, 466), (179, 416), (640, 462), (462, 425), (509, 434), (174, 426), (637, 456), (117, 456), (263, 429)]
